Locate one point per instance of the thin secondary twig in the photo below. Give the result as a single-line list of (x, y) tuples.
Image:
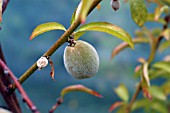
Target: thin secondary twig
[(11, 100), (58, 103), (5, 3), (135, 95), (26, 99)]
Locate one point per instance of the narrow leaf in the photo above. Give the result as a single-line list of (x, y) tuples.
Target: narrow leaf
[(166, 88), (73, 17), (167, 2), (107, 28), (0, 10), (159, 107), (166, 34), (164, 45), (138, 12), (85, 7), (122, 92), (141, 103), (145, 74), (146, 93), (162, 65), (151, 17), (159, 10), (78, 35), (79, 88), (157, 92), (125, 45), (42, 28), (115, 105)]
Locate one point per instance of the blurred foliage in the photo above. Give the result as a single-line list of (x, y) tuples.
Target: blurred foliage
[(20, 19), (155, 99)]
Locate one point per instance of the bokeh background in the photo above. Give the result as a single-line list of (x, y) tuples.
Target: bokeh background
[(22, 16)]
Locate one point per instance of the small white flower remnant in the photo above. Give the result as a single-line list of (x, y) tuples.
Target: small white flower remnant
[(42, 62)]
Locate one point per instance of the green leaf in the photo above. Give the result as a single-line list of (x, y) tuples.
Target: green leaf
[(0, 10), (122, 92), (84, 7), (155, 73), (81, 88), (159, 10), (73, 17), (167, 2), (107, 28), (78, 35), (162, 65), (166, 34), (159, 107), (142, 103), (166, 87), (122, 109), (157, 92), (125, 45), (138, 12), (164, 46), (42, 28), (151, 17)]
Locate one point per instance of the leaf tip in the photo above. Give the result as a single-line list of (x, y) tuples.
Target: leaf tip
[(31, 37), (115, 105), (132, 46), (97, 94), (83, 20)]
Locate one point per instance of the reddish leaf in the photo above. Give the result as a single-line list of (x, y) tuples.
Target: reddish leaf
[(81, 88), (115, 105), (146, 93), (124, 45), (137, 68)]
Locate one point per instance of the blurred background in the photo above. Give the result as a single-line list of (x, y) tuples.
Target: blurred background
[(22, 16)]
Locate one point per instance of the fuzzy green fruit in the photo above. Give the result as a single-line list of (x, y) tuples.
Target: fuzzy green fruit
[(81, 60)]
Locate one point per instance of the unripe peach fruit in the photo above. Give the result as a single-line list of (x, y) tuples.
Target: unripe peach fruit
[(81, 60)]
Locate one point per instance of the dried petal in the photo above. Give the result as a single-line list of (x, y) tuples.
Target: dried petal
[(42, 62)]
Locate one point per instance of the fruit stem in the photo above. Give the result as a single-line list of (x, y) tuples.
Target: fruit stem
[(71, 41)]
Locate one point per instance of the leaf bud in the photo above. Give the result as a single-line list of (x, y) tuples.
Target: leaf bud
[(115, 4)]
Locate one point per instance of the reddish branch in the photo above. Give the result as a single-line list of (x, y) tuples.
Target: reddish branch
[(11, 99), (5, 3), (26, 99), (59, 102)]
